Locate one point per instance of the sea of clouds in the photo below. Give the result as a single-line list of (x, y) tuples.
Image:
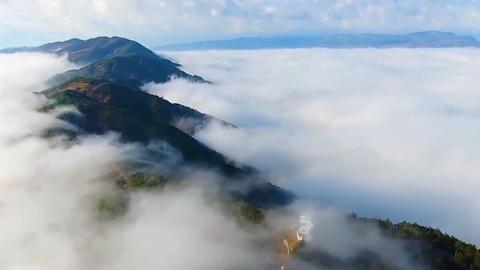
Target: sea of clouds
[(382, 133), (50, 188)]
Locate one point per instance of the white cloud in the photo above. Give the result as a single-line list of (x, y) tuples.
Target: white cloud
[(214, 12), (49, 190), (157, 22), (385, 133)]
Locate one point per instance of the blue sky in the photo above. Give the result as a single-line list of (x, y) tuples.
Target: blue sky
[(156, 22)]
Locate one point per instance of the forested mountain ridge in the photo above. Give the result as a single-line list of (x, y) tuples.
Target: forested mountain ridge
[(118, 59), (143, 118), (106, 93)]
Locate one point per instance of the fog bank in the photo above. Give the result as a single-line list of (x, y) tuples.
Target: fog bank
[(50, 189), (384, 133)]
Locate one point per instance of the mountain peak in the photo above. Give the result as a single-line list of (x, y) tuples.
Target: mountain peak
[(117, 59), (88, 51)]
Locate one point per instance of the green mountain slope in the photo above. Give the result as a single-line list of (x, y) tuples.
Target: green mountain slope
[(423, 248), (434, 248), (129, 70), (140, 117), (120, 60)]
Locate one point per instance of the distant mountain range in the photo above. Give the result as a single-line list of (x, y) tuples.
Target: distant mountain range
[(428, 39)]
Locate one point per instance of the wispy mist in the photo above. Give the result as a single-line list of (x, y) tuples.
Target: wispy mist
[(383, 133), (50, 188)]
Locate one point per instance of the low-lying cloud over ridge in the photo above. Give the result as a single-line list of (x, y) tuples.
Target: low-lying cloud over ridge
[(385, 133), (50, 187)]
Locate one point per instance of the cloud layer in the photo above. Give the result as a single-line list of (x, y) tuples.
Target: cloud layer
[(384, 133), (157, 22), (49, 190)]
